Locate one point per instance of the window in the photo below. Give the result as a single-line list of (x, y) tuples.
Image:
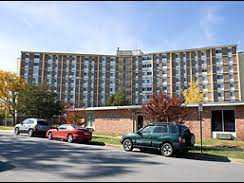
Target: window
[(161, 129), (43, 123), (29, 122), (37, 56), (147, 129), (223, 120), (62, 127), (172, 129)]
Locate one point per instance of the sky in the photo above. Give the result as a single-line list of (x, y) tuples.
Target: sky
[(102, 27)]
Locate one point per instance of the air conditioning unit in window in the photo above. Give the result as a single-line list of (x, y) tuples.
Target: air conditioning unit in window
[(225, 136)]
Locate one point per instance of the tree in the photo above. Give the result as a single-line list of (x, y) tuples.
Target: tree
[(118, 99), (10, 86), (110, 100), (163, 108), (40, 102), (193, 95), (75, 118)]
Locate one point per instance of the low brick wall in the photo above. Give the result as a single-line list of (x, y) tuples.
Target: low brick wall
[(120, 121), (115, 122)]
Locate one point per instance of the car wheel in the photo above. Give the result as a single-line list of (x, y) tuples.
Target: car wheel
[(70, 138), (50, 137), (167, 149), (127, 145), (16, 131), (30, 133), (142, 149)]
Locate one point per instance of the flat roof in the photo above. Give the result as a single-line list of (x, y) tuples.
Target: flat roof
[(192, 49), (108, 108), (68, 53), (214, 104), (115, 55)]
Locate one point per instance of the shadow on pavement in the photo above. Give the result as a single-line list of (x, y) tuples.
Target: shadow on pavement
[(204, 157), (5, 166), (96, 143), (193, 156), (68, 160)]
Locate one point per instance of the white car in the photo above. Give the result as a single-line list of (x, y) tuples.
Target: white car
[(32, 126)]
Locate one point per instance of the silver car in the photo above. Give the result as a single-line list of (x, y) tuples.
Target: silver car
[(32, 126)]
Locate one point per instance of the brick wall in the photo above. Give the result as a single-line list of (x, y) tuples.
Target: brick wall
[(118, 122), (194, 124), (240, 122), (115, 122)]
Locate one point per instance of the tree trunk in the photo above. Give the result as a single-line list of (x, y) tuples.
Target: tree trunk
[(13, 116)]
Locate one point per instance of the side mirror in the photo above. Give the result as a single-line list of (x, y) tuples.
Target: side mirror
[(21, 122)]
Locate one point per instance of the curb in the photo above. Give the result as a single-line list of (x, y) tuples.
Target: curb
[(114, 146), (238, 161), (7, 131)]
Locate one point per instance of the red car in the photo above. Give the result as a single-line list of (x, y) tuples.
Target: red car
[(70, 133)]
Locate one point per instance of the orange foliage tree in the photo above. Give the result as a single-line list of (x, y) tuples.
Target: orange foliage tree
[(163, 108), (10, 86)]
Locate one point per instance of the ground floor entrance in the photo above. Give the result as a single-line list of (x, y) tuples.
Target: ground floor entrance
[(139, 122)]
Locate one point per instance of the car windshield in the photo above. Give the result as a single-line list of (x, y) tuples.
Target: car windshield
[(79, 127), (184, 130), (76, 126), (43, 123)]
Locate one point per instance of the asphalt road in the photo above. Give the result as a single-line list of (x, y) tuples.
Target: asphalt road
[(37, 159)]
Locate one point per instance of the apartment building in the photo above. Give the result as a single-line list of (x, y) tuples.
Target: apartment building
[(87, 80)]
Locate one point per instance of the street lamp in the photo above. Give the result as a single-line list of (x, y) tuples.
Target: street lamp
[(200, 109)]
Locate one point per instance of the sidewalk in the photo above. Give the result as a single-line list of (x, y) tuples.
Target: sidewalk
[(7, 131)]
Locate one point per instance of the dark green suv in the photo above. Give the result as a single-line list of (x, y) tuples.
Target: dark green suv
[(166, 137)]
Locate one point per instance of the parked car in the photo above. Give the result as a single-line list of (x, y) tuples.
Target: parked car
[(166, 137), (70, 133), (32, 126)]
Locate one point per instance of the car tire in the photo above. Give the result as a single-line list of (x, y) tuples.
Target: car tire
[(142, 149), (127, 145), (30, 133), (16, 131), (167, 149), (70, 138), (49, 136)]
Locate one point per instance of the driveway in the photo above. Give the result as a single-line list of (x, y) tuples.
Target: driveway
[(37, 159)]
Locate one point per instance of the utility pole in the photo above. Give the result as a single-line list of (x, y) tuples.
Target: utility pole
[(200, 109)]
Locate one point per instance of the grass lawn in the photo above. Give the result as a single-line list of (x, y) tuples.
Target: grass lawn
[(105, 139), (228, 148), (6, 128)]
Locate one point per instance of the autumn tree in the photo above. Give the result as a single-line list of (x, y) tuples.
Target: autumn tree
[(75, 118), (10, 87), (193, 95), (163, 108)]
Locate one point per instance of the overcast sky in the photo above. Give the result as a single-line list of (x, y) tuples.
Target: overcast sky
[(101, 27)]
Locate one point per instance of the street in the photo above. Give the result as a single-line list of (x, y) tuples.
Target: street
[(37, 159)]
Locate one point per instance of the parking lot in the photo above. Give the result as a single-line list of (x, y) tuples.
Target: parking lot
[(28, 159)]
